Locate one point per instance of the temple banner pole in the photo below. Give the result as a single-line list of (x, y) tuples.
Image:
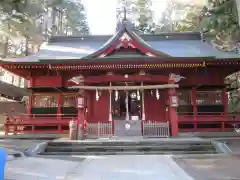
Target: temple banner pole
[(143, 104), (110, 104)]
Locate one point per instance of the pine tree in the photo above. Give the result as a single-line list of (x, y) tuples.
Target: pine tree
[(187, 19), (190, 21), (19, 23), (74, 20), (26, 20), (143, 16), (220, 21), (165, 23)]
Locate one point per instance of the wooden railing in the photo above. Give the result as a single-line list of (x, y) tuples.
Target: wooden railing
[(211, 121), (59, 123), (31, 123)]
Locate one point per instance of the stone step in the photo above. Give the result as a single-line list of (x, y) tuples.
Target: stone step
[(130, 146), (129, 143), (128, 153), (99, 148), (170, 146)]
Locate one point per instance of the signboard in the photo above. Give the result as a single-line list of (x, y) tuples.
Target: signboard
[(135, 118), (174, 101), (80, 102)]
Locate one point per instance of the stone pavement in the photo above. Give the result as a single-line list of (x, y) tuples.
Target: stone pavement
[(38, 169), (97, 168), (19, 145), (217, 167)]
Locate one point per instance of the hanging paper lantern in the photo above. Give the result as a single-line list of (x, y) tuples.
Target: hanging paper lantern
[(151, 92), (138, 95), (97, 95), (116, 95), (157, 94)]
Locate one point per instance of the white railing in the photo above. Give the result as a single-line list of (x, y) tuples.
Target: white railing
[(149, 129), (156, 129), (96, 130)]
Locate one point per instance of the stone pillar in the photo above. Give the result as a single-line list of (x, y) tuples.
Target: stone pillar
[(72, 130), (81, 105)]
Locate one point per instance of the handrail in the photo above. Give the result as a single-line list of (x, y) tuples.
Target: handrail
[(45, 114), (206, 113), (40, 116), (210, 113)]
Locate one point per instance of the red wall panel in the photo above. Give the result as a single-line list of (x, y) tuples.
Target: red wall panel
[(47, 81), (209, 78), (99, 110), (155, 109)]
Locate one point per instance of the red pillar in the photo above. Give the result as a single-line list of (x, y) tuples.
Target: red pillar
[(225, 104), (194, 104), (173, 116), (30, 101), (59, 111), (225, 101), (30, 98), (88, 108)]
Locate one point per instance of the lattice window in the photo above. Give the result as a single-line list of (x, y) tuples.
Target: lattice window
[(46, 101), (70, 101), (209, 97), (184, 97)]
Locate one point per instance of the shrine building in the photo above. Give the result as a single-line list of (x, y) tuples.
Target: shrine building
[(157, 78)]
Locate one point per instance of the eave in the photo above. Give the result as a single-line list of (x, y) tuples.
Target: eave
[(113, 60), (122, 63), (13, 92)]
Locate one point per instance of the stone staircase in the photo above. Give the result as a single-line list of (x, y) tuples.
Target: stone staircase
[(130, 147)]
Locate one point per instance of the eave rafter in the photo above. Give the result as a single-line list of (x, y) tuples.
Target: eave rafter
[(107, 66)]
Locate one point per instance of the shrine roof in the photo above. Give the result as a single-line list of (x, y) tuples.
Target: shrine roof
[(13, 92), (168, 45)]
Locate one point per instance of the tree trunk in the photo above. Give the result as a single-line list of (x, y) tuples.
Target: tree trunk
[(238, 9)]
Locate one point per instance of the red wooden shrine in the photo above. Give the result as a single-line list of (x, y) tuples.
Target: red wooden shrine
[(71, 78)]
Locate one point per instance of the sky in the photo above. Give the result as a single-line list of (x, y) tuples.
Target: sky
[(101, 14)]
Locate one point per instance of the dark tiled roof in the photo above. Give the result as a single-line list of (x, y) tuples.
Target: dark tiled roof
[(171, 44), (13, 91), (190, 48)]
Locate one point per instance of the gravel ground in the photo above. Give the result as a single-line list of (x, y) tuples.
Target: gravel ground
[(224, 167)]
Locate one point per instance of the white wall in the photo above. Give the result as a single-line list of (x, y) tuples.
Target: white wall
[(11, 78)]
